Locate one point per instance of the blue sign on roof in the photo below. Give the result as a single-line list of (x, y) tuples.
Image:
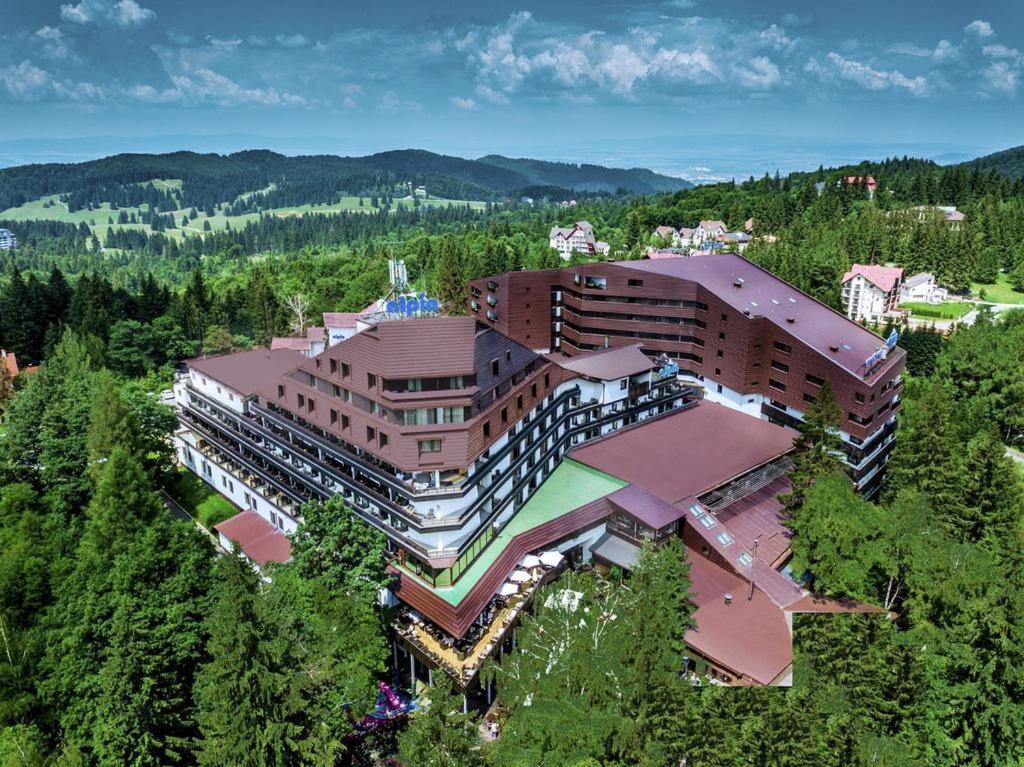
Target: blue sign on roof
[(413, 305)]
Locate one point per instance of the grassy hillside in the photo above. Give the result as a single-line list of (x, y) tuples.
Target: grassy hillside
[(269, 180)]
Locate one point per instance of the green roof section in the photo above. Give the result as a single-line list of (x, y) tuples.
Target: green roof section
[(570, 486)]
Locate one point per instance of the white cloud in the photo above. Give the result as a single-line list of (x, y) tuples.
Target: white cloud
[(1002, 77), (980, 28), (943, 51), (682, 5), (49, 33), (1000, 51), (776, 37), (207, 85), (759, 74), (462, 103), (123, 13), (392, 102), (25, 81), (868, 77)]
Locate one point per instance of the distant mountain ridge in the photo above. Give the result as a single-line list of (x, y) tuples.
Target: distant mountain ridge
[(212, 178), (1008, 162)]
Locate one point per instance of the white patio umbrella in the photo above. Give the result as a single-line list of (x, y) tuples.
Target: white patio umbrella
[(551, 558), (520, 576), (508, 589), (529, 562)]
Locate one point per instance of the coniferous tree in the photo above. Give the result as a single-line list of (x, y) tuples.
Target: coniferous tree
[(248, 702), (817, 447), (441, 736)]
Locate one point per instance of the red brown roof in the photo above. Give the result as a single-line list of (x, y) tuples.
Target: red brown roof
[(607, 364), (10, 362), (259, 540), (296, 344), (759, 516), (341, 319), (245, 372), (687, 453), (885, 278), (749, 636), (758, 293)]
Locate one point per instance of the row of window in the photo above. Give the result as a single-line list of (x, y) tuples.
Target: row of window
[(673, 303), (636, 334), (639, 317)]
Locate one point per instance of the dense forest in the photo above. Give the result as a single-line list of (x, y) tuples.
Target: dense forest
[(124, 636)]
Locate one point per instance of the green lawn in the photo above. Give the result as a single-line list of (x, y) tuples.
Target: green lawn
[(200, 500), (947, 311), (1000, 292)]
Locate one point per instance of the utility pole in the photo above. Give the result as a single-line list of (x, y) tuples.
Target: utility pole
[(753, 564)]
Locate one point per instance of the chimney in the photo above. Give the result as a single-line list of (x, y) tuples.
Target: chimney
[(791, 320), (728, 598)]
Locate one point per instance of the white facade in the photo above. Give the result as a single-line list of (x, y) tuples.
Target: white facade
[(865, 301), (923, 288), (7, 239), (577, 239)]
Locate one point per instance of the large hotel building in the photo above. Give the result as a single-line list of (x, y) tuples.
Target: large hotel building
[(574, 416)]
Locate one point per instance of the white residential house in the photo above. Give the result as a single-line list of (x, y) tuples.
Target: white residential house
[(677, 238), (952, 216), (7, 239), (707, 231), (576, 239), (871, 291), (923, 288)]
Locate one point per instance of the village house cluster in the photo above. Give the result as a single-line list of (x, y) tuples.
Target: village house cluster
[(708, 237)]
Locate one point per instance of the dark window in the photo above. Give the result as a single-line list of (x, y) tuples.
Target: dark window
[(519, 402), (334, 416), (719, 388), (317, 364), (857, 419), (344, 421), (725, 318), (809, 398), (334, 366), (487, 428), (371, 381), (382, 439), (280, 390), (776, 403), (623, 384), (508, 356), (301, 400), (718, 371), (858, 396), (720, 353), (722, 336), (547, 382), (310, 404), (345, 370), (776, 384), (814, 380), (533, 391), (780, 366), (783, 347), (635, 283), (504, 415), (494, 367), (371, 434)]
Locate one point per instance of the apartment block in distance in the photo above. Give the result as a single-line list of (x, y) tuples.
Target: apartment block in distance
[(748, 339)]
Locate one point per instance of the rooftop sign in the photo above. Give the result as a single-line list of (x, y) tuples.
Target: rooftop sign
[(412, 305)]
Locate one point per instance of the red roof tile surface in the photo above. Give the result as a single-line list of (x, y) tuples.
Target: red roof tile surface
[(341, 319), (687, 453), (259, 540), (759, 516)]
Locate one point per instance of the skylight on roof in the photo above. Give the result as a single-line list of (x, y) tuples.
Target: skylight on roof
[(724, 538), (792, 300), (753, 303), (707, 521), (848, 347), (744, 559), (696, 510), (776, 301)]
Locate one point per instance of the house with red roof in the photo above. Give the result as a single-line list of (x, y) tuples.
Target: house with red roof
[(871, 291)]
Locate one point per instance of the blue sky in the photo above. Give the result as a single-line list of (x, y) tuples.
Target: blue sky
[(581, 80)]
